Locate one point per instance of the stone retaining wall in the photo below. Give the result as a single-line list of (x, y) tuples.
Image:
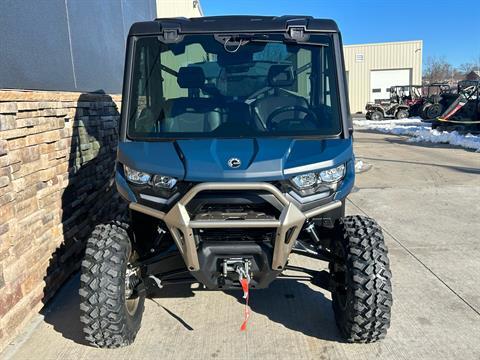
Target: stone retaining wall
[(57, 154)]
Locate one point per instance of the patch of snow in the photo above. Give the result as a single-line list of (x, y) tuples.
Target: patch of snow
[(361, 166), (421, 132), (369, 123), (358, 165)]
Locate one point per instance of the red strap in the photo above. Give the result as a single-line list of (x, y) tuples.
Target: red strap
[(244, 283)]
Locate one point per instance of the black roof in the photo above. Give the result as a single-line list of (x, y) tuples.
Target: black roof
[(233, 24)]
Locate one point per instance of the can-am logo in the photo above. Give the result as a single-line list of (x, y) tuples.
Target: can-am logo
[(234, 163)]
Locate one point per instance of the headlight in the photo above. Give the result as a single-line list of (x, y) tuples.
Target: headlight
[(143, 178), (333, 175), (164, 182), (136, 177), (306, 181)]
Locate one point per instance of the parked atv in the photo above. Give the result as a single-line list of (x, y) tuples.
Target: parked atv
[(235, 152), (404, 101), (435, 100)]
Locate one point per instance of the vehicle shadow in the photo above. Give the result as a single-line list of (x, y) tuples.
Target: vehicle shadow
[(296, 306), (291, 303), (89, 140), (288, 302), (63, 312)]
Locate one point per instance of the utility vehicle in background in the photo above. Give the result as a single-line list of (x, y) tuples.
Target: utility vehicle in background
[(435, 99), (235, 152), (404, 101), (463, 112)]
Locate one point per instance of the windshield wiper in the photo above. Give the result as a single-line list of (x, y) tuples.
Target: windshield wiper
[(233, 42)]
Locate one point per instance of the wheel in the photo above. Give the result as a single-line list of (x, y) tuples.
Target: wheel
[(368, 115), (360, 273), (434, 111), (401, 114), (423, 111), (111, 306), (376, 115)]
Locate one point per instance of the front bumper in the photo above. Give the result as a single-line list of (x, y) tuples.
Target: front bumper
[(288, 225)]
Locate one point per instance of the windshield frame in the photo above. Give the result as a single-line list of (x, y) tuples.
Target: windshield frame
[(340, 82)]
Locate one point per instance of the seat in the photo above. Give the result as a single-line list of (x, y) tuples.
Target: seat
[(192, 115)]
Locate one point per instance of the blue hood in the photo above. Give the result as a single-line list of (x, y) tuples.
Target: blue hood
[(261, 159)]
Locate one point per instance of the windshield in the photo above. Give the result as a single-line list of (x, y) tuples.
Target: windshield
[(202, 87)]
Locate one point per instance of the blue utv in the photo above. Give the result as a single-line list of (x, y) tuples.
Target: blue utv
[(235, 151)]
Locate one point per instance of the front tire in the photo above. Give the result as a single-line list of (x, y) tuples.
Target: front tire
[(376, 115), (402, 114), (423, 111), (111, 312), (361, 278), (434, 111)]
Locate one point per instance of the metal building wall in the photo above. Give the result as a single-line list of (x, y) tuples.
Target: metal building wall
[(179, 8), (69, 45), (379, 56)]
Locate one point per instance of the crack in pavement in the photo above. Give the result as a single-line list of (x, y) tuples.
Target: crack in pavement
[(420, 261)]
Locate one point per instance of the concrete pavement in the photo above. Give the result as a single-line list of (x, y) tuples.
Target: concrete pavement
[(426, 198)]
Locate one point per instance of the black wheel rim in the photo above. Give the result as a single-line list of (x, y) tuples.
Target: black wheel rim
[(340, 276), (131, 297)]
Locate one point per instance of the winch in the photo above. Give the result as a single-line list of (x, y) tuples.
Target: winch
[(238, 267)]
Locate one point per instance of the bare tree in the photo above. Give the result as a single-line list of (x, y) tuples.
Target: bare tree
[(438, 70), (468, 67)]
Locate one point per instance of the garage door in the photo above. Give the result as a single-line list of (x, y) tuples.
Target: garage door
[(382, 80)]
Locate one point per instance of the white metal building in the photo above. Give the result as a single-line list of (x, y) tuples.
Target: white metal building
[(179, 8), (373, 68)]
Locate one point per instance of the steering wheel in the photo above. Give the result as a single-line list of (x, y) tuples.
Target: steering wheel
[(289, 108)]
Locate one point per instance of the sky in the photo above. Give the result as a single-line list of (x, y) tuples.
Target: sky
[(448, 28)]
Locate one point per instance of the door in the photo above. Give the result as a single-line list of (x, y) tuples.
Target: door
[(382, 80)]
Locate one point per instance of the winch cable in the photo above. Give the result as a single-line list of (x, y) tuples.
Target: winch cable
[(244, 278), (246, 294)]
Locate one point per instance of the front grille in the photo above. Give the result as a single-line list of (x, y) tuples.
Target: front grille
[(232, 206), (236, 234), (262, 210), (233, 215), (232, 202)]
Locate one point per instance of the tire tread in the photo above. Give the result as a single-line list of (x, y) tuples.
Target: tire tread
[(367, 315), (103, 313)]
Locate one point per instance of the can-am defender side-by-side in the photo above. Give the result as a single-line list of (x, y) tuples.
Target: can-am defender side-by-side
[(235, 151)]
